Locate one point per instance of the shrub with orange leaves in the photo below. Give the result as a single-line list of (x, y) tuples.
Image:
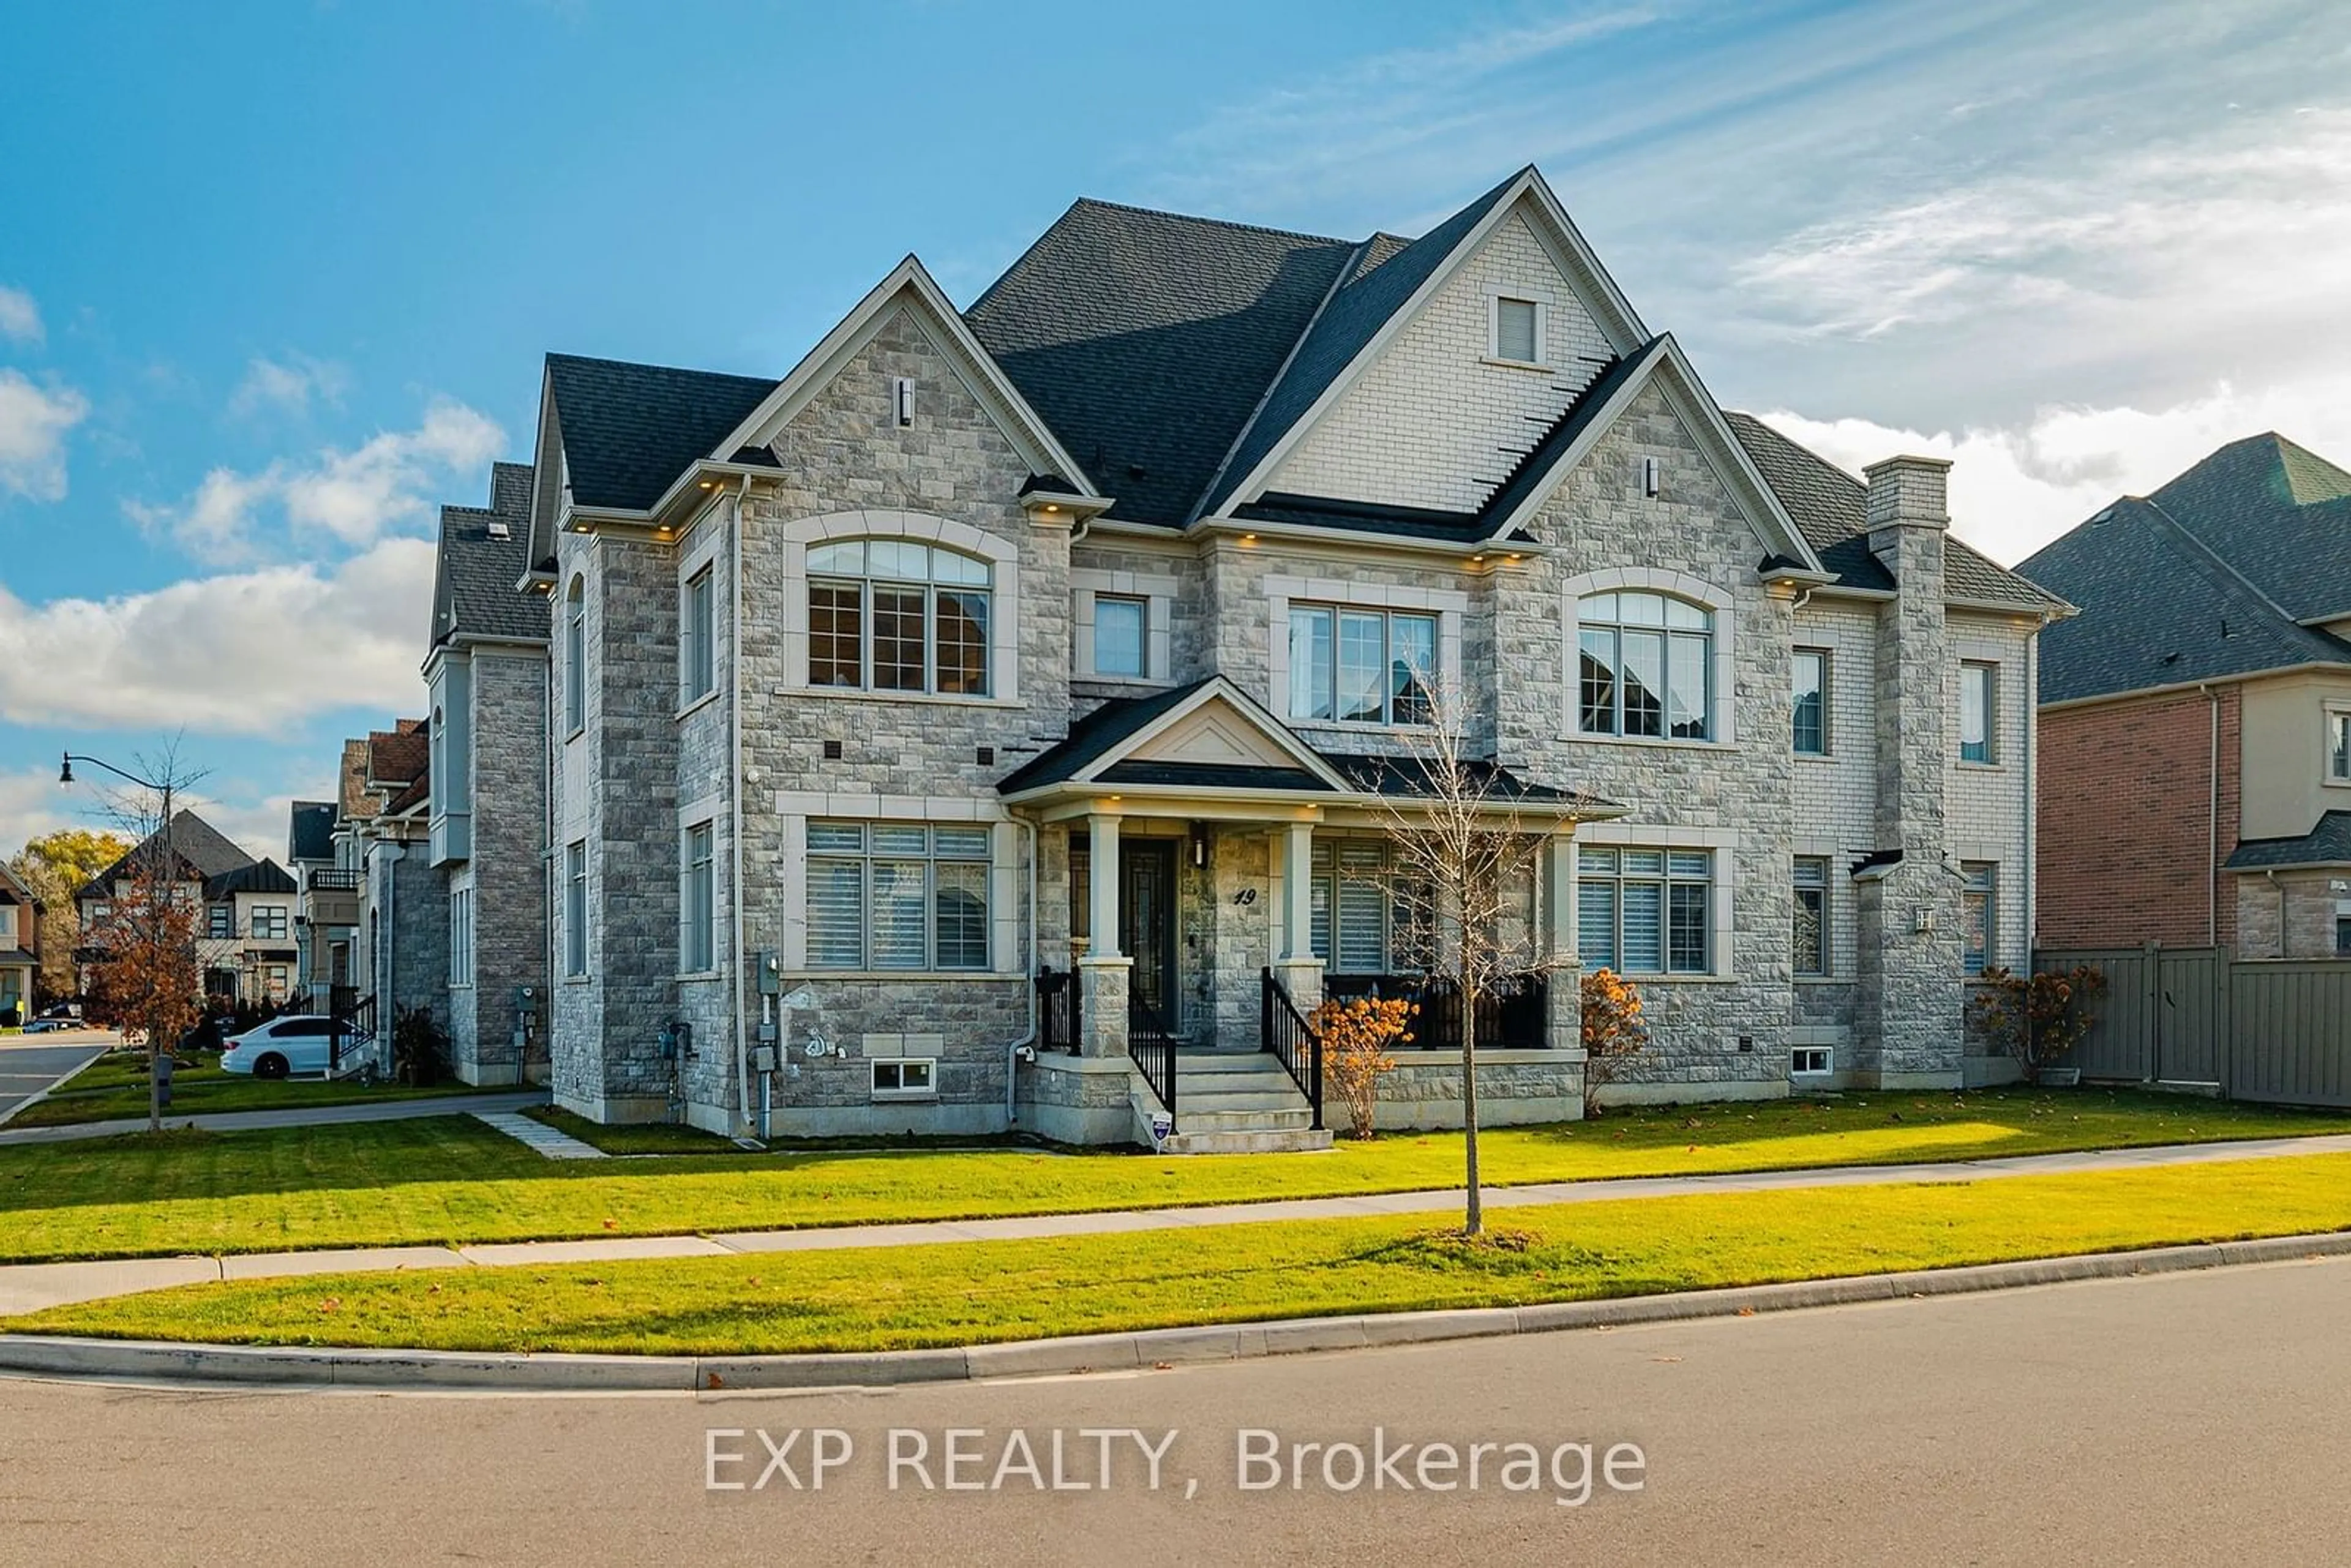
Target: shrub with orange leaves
[(1613, 1032), (1356, 1032)]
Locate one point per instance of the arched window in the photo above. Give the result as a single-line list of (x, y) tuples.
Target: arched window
[(575, 657), (897, 615), (1647, 662)]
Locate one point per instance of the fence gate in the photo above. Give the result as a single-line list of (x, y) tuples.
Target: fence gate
[(2258, 1030)]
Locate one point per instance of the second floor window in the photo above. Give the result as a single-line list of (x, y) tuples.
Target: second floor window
[(269, 922), (1361, 666), (221, 923), (1812, 713), (1648, 666), (575, 658), (2338, 748), (1121, 628), (1980, 712), (895, 615), (696, 647)]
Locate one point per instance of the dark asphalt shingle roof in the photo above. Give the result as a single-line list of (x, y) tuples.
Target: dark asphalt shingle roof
[(1408, 778), (1831, 510), (476, 573), (2277, 513), (2157, 609), (628, 431), (205, 852), (310, 832), (262, 876), (1145, 339), (1212, 775), (1094, 734), (2328, 843)]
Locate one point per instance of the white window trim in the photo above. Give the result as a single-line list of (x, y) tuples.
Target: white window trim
[(1828, 1061), (1722, 723), (1003, 559), (1006, 889), (574, 692), (875, 1092), (1723, 842), (1158, 594), (1995, 729), (1449, 605), (2337, 712), (1540, 298)]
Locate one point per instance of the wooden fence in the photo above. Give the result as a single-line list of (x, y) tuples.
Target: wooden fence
[(2267, 1031)]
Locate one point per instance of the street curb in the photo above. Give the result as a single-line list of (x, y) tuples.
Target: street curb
[(147, 1361), (21, 1106)]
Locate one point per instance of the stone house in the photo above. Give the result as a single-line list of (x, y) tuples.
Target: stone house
[(2196, 717), (1001, 719)]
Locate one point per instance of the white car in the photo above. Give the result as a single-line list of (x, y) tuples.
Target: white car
[(298, 1043)]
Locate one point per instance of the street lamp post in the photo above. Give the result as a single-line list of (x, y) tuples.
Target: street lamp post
[(170, 860)]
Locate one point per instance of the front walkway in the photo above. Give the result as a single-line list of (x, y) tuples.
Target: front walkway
[(292, 1117), (31, 1287)]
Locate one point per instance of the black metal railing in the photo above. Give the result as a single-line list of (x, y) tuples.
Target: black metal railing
[(1510, 1015), (331, 879), (1151, 1045), (1057, 1017), (1290, 1040)]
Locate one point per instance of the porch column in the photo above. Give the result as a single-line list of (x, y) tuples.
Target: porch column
[(1563, 992), (1295, 965), (1103, 973)]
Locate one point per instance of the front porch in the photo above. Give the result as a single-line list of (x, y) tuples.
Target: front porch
[(1212, 879)]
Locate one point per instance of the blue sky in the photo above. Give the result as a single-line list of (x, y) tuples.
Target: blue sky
[(275, 279)]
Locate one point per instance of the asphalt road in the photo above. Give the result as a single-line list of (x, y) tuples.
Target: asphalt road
[(28, 1065), (2182, 1418)]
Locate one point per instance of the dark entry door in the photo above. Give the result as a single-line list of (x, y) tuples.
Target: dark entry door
[(1146, 923)]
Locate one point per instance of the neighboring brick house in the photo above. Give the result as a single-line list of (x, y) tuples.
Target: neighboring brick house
[(1090, 623), (20, 947), (486, 673), (2196, 717), (403, 906)]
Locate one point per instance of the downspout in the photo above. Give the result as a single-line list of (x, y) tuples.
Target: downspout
[(1012, 1053), (735, 745), (2212, 830), (2032, 796), (2271, 874)]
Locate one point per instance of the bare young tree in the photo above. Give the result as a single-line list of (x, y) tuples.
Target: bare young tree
[(147, 974), (1468, 854)]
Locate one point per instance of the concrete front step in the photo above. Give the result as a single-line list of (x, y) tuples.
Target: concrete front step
[(1288, 1142), (1194, 1117)]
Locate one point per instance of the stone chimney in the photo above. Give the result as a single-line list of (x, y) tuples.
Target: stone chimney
[(1909, 1028)]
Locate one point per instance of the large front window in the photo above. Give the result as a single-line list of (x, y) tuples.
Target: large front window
[(1361, 666), (894, 615), (1647, 666), (1646, 912), (1359, 922), (896, 895)]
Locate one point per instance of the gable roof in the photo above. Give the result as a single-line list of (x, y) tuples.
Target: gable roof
[(475, 570), (630, 430), (261, 876), (203, 853), (2158, 608), (1096, 745), (1147, 338), (1832, 508), (310, 831), (2279, 514)]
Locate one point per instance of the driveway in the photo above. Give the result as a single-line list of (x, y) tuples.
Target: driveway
[(30, 1063)]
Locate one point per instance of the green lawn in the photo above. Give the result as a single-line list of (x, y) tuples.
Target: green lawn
[(962, 1293), (451, 1179), (115, 1087)]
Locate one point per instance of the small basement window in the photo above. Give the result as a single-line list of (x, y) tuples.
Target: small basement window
[(905, 1078), (1812, 1061)]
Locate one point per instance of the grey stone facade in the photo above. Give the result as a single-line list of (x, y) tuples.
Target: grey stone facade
[(506, 875)]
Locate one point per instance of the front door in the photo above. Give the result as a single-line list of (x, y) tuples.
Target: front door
[(1146, 923)]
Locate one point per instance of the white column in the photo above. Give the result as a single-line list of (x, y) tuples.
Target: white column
[(1298, 892), (1558, 896), (1102, 912)]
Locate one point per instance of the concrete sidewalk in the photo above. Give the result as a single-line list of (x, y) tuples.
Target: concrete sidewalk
[(31, 1287), (292, 1117)]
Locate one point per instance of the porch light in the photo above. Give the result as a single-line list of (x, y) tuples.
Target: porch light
[(705, 483), (1199, 843), (1050, 506)]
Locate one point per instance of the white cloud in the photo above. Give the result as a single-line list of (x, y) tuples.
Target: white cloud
[(20, 318), (346, 497), (244, 654), (288, 385), (33, 425), (2015, 487), (252, 815)]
